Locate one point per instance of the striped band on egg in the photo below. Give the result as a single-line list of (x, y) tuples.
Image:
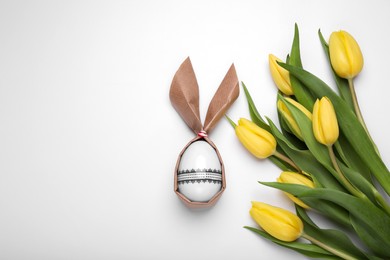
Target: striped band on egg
[(199, 175)]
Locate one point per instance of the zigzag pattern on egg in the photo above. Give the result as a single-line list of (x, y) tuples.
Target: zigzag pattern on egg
[(199, 170), (199, 175), (200, 181)]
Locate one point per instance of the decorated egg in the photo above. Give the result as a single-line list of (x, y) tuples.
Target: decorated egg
[(199, 175)]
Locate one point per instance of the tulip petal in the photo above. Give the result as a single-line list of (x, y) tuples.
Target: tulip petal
[(278, 222), (277, 229), (353, 52), (342, 83), (278, 213), (260, 132), (295, 178), (289, 120), (259, 147), (280, 76), (296, 200), (345, 54), (328, 121), (317, 127), (338, 55), (300, 107)]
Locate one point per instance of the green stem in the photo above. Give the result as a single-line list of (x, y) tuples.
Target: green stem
[(287, 160), (328, 248), (356, 104), (342, 178), (359, 113)]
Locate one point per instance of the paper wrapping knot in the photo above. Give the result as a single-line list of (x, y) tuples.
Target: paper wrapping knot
[(184, 96), (202, 133)]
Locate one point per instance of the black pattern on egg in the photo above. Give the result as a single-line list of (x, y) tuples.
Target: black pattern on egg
[(199, 174)]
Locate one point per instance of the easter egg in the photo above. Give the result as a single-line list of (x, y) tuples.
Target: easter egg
[(199, 174)]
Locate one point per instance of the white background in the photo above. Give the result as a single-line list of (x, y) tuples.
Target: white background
[(89, 139)]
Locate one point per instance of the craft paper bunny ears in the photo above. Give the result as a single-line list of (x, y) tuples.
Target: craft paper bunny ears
[(199, 177)]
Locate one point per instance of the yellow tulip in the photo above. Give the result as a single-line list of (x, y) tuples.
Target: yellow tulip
[(295, 178), (256, 140), (345, 55), (280, 76), (286, 114), (278, 222), (325, 126)]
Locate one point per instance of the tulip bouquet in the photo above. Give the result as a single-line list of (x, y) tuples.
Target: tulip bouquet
[(329, 162)]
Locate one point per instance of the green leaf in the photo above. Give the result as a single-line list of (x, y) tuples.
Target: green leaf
[(319, 151), (305, 160), (360, 209), (309, 250), (342, 84), (359, 182), (281, 164), (369, 237), (286, 131), (351, 158), (231, 122), (302, 94), (258, 120), (255, 115), (349, 125), (332, 240), (283, 124), (295, 55), (329, 209), (340, 153), (301, 213)]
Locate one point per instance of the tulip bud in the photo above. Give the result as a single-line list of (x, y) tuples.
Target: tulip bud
[(256, 140), (278, 222), (295, 178), (287, 116), (280, 76), (345, 55), (325, 126)]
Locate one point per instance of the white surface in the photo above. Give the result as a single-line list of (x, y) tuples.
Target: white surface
[(89, 139)]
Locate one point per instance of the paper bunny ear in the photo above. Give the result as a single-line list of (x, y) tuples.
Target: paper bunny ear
[(184, 95), (226, 94)]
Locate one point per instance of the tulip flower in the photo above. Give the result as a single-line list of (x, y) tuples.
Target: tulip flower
[(345, 55), (325, 126), (295, 178), (278, 222), (347, 61), (287, 116), (256, 140), (280, 76), (326, 131)]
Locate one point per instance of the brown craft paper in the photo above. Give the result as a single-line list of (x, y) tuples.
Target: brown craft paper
[(184, 95)]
